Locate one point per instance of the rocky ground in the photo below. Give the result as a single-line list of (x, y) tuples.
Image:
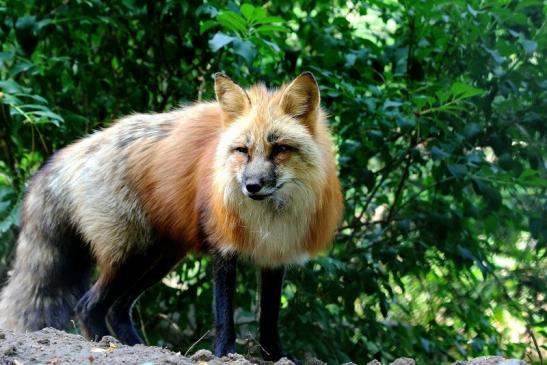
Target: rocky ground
[(52, 347)]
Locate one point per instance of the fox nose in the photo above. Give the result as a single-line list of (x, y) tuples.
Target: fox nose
[(253, 187)]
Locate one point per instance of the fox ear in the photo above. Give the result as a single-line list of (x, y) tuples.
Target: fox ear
[(301, 98), (233, 100)]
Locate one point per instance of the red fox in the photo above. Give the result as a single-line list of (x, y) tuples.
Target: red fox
[(251, 176)]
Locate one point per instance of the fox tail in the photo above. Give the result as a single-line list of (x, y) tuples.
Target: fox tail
[(50, 270)]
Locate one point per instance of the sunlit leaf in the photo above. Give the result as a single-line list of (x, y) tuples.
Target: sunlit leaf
[(462, 90), (219, 40)]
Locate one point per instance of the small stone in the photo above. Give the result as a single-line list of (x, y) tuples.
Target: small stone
[(2, 336), (109, 341), (349, 363), (43, 341), (284, 361), (202, 355), (10, 351), (486, 360), (512, 362), (236, 359), (314, 361), (374, 362), (233, 356), (404, 361)]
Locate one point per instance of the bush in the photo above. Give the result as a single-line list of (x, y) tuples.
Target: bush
[(438, 109)]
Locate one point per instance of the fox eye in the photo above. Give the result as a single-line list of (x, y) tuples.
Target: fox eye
[(280, 148), (242, 149)]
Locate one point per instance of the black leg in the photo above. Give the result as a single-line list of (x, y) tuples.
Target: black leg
[(271, 283), (120, 322), (224, 271)]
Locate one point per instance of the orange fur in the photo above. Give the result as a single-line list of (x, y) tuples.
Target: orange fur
[(169, 179)]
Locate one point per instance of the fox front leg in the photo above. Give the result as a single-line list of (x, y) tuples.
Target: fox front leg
[(271, 284), (224, 272)]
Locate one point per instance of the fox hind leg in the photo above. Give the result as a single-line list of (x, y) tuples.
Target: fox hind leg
[(115, 281), (93, 306), (119, 315)]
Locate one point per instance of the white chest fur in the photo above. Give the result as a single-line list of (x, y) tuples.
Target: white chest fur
[(276, 228)]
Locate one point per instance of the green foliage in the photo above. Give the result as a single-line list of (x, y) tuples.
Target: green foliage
[(438, 109)]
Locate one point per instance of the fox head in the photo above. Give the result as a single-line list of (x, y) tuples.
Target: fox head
[(268, 152)]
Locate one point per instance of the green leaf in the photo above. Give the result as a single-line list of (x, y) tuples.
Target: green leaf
[(471, 130), (43, 23), (532, 178), (6, 56), (37, 98), (51, 116), (472, 11), (247, 11), (10, 86), (392, 104), (461, 90), (219, 40), (438, 154), (457, 170), (34, 107), (538, 229), (20, 68), (206, 25), (491, 195), (245, 49), (465, 253), (25, 22), (421, 101), (5, 192), (4, 205), (443, 95), (523, 4), (529, 46), (406, 122), (496, 56), (11, 219), (10, 100), (268, 20), (269, 29), (207, 9), (272, 45), (232, 21)]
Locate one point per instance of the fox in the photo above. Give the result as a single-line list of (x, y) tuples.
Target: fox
[(249, 177)]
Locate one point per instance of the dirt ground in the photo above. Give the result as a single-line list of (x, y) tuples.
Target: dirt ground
[(53, 347)]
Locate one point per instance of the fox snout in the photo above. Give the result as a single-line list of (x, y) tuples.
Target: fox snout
[(258, 179)]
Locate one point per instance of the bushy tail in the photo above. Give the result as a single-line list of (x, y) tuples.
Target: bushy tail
[(50, 271)]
